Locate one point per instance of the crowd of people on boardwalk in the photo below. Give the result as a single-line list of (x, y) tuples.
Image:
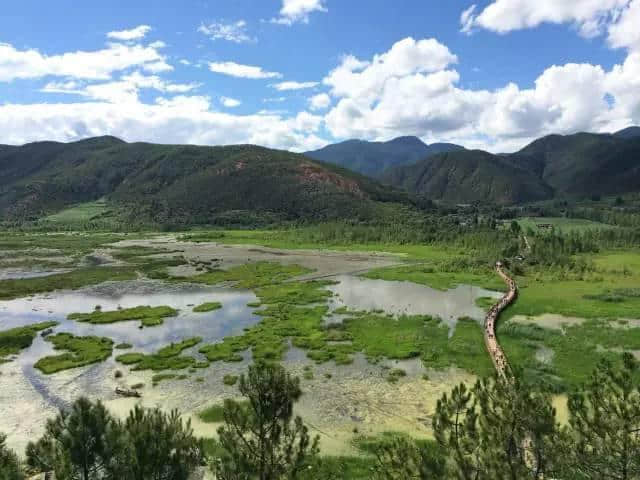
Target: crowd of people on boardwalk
[(497, 355)]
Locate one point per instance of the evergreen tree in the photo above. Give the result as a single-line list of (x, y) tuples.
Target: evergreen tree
[(262, 440), (160, 446), (82, 443), (605, 424), (402, 458), (500, 429), (10, 468)]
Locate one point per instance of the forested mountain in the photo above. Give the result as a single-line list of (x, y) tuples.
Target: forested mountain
[(583, 164), (629, 132), (373, 158), (470, 176), (180, 184)]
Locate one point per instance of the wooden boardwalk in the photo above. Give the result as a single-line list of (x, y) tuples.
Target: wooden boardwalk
[(496, 353)]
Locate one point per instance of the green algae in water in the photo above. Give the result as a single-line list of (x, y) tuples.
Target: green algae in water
[(80, 351), (14, 340), (208, 307), (167, 358), (148, 316)]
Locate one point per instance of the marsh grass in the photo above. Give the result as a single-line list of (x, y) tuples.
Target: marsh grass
[(167, 358), (148, 316), (207, 307), (230, 380), (14, 340), (215, 413), (16, 288), (79, 351)]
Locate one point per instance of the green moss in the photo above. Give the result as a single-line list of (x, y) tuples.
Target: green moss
[(123, 346), (215, 413), (252, 275), (22, 287), (442, 275), (80, 351), (208, 307), (16, 339), (230, 380), (148, 316), (161, 377), (167, 358), (395, 374), (485, 303)]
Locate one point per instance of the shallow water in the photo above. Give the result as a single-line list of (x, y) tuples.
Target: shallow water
[(13, 274), (28, 397), (359, 293)]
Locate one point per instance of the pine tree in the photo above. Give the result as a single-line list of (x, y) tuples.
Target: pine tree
[(160, 446), (500, 429), (262, 440), (605, 424), (10, 468), (81, 443), (402, 458)]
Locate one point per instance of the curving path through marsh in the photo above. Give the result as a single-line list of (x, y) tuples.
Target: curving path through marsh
[(496, 353)]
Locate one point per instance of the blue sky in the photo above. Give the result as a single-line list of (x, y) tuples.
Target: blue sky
[(297, 74)]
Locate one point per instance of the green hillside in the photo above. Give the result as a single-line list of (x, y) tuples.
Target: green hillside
[(470, 176), (176, 184), (373, 158), (579, 165)]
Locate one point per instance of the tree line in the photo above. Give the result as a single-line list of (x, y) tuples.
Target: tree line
[(497, 429)]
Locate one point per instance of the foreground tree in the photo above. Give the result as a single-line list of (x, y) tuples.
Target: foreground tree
[(261, 439), (10, 468), (160, 446), (402, 458), (82, 443), (87, 443), (605, 424), (500, 429)]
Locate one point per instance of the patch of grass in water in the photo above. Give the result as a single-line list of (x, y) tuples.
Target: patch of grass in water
[(215, 413), (252, 275), (148, 316), (22, 287), (485, 303), (230, 380), (14, 340), (577, 349), (123, 346), (161, 377), (167, 358), (296, 310), (442, 275), (396, 374), (208, 307), (80, 351)]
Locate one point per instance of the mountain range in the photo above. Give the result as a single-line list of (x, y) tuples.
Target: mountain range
[(186, 184), (578, 165), (374, 158), (182, 184)]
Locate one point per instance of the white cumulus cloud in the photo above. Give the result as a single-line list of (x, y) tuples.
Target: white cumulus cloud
[(93, 65), (591, 17), (230, 102), (232, 32), (242, 71), (291, 85), (320, 101), (297, 11), (133, 34)]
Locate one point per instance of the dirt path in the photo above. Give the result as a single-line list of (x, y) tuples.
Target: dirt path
[(496, 353)]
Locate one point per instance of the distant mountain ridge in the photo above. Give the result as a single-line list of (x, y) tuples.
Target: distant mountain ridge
[(373, 158), (182, 184), (582, 164)]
